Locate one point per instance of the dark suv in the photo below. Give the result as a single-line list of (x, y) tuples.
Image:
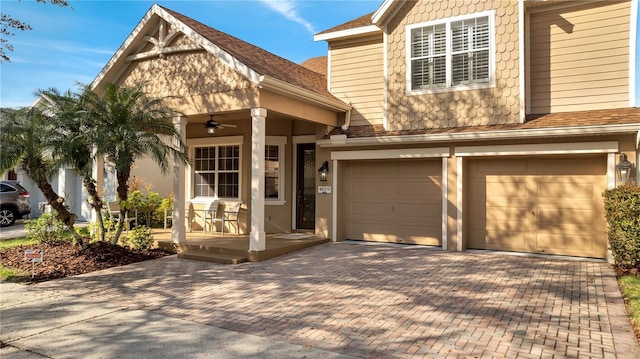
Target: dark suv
[(14, 202)]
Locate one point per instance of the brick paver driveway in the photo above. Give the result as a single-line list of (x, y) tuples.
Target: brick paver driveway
[(388, 301)]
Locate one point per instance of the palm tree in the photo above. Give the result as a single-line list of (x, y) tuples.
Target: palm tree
[(73, 142), (129, 125), (24, 142)]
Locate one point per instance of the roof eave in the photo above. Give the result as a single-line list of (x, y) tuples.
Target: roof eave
[(343, 34), (383, 11), (279, 86), (341, 141)]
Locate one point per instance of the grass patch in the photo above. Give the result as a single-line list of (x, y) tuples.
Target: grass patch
[(630, 286), (14, 242), (13, 274)]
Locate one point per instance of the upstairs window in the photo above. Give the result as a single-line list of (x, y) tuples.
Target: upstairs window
[(456, 53)]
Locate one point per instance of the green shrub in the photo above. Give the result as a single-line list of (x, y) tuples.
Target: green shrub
[(144, 206), (138, 238), (109, 227), (83, 232), (45, 229), (622, 210)]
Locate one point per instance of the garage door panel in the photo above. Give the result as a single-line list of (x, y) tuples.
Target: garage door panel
[(564, 244), (560, 190), (417, 189), (570, 218), (423, 235), (402, 204), (370, 208), (542, 205), (370, 189), (504, 213), (500, 240), (418, 211), (419, 169), (502, 187), (366, 231)]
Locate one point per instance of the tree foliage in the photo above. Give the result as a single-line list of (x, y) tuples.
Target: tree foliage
[(130, 125), (25, 143), (9, 25)]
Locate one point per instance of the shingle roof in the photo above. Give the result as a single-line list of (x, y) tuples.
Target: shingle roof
[(622, 116), (353, 24), (259, 60), (317, 64)]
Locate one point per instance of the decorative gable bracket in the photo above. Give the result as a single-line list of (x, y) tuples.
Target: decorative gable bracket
[(161, 44)]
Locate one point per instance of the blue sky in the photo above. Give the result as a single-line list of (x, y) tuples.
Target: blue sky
[(69, 45), (72, 44)]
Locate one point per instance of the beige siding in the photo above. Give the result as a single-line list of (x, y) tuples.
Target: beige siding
[(357, 78), (580, 58), (497, 105)]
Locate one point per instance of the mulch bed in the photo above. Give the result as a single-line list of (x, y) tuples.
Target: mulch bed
[(65, 260)]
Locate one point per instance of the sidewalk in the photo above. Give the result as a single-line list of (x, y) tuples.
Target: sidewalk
[(37, 323)]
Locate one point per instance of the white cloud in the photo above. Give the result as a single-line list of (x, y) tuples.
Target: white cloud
[(288, 9)]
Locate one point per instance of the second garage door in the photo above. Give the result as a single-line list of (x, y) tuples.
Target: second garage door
[(393, 201), (543, 205)]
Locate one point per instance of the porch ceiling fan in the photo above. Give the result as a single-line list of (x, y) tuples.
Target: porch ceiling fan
[(212, 125)]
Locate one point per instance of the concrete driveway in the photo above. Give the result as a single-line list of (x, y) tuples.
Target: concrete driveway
[(14, 231), (375, 301)]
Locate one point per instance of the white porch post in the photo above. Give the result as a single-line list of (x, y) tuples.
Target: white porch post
[(178, 230), (257, 237)]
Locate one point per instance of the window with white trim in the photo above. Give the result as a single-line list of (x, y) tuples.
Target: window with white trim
[(272, 172), (274, 169), (217, 171), (451, 54)]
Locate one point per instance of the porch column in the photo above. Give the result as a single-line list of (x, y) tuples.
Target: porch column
[(178, 230), (257, 237)]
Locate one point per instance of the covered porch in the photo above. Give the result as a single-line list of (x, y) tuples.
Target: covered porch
[(250, 120), (234, 248)]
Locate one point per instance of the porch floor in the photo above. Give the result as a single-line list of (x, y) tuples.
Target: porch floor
[(233, 248)]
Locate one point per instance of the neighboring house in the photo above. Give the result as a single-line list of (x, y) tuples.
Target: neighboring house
[(488, 125)]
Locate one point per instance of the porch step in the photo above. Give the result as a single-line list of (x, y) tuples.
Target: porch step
[(222, 258)]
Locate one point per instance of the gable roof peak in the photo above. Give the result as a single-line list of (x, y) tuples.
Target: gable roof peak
[(254, 63)]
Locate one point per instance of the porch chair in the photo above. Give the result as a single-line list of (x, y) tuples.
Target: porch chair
[(190, 214), (210, 214), (231, 214), (114, 211)]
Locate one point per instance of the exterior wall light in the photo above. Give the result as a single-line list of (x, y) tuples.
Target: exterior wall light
[(323, 171), (623, 169)]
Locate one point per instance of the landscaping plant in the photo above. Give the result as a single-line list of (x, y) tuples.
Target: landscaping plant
[(138, 238), (622, 210), (45, 229)]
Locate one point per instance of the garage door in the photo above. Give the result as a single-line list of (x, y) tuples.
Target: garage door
[(544, 205), (393, 201)]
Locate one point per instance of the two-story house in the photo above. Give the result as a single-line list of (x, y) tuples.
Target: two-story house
[(458, 124)]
